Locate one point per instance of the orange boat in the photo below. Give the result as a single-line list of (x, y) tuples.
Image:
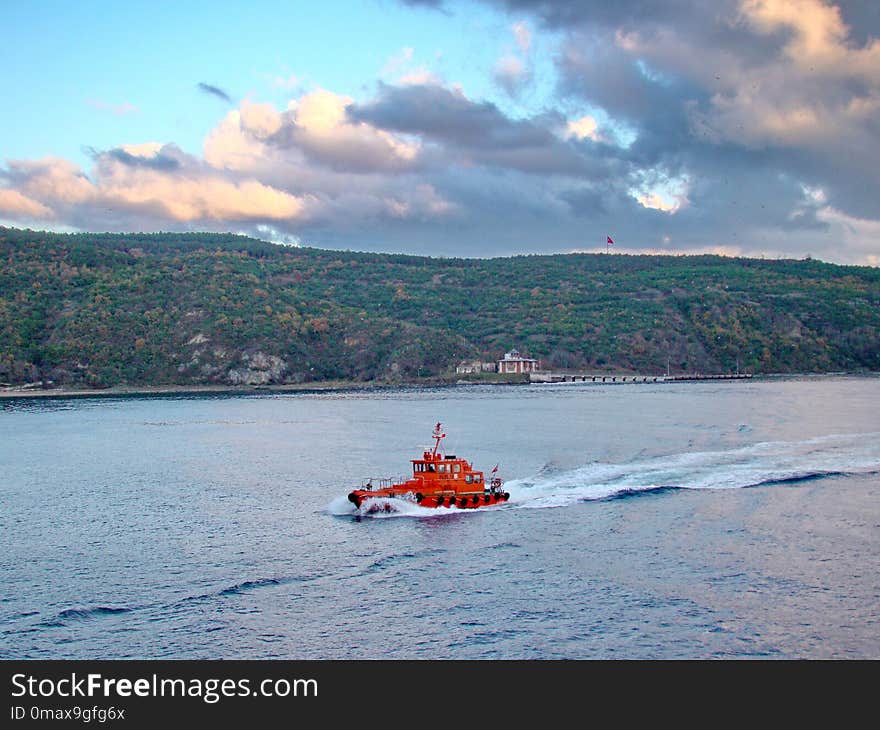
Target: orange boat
[(438, 480)]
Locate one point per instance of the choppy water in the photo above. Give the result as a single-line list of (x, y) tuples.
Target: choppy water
[(654, 520)]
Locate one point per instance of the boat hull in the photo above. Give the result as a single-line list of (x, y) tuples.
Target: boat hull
[(461, 500)]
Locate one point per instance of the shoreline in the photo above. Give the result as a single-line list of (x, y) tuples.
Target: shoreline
[(325, 386), (170, 390)]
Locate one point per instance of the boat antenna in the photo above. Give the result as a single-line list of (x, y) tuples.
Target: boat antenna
[(437, 435)]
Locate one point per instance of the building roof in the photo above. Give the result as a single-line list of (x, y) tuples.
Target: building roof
[(514, 356)]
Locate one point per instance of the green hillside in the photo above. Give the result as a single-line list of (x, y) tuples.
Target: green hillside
[(138, 309)]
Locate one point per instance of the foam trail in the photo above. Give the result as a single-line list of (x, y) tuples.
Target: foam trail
[(756, 464), (765, 463), (383, 507)]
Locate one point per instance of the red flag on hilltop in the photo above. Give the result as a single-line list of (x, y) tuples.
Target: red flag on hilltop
[(609, 240)]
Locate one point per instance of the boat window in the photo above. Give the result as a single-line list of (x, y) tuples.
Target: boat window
[(468, 478), (456, 468), (442, 468), (478, 478)]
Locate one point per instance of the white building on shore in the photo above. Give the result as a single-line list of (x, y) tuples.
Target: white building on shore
[(513, 362), (474, 366)]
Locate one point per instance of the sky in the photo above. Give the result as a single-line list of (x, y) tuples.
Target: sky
[(451, 128)]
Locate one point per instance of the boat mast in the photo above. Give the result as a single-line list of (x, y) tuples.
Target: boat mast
[(437, 435)]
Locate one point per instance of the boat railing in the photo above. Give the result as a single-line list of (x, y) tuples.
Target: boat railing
[(371, 483)]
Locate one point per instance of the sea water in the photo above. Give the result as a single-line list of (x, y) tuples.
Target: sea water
[(655, 520)]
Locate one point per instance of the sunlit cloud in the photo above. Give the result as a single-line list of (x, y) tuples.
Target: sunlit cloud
[(419, 77), (585, 127), (16, 205), (659, 192)]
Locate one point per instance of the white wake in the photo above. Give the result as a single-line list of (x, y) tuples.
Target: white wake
[(747, 466)]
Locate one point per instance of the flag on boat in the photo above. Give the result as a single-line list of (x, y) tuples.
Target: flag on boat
[(495, 469), (610, 242)]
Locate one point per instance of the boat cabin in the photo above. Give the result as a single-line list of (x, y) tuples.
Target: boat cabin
[(438, 467)]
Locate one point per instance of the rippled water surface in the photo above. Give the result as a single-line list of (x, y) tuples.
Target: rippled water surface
[(736, 519)]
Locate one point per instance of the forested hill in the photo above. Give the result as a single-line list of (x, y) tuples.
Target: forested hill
[(136, 309)]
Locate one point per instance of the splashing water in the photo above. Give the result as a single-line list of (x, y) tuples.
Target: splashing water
[(382, 507), (758, 464)]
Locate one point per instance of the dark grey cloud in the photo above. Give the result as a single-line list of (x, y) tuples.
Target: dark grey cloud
[(863, 19), (214, 91), (166, 160), (475, 131), (442, 114), (774, 143)]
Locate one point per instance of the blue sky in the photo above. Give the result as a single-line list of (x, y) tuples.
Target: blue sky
[(745, 127), (152, 56)]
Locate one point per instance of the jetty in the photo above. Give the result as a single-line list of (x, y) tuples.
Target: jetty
[(560, 377)]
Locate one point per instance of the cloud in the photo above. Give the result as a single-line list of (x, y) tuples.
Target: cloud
[(585, 127), (659, 192), (523, 36), (308, 164), (433, 4), (202, 198), (860, 236), (150, 158), (214, 91), (513, 70), (511, 74), (51, 180), (119, 110), (471, 132), (419, 77), (740, 126), (315, 126), (816, 35), (142, 185), (16, 205), (398, 61), (402, 69), (747, 100), (286, 83)]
